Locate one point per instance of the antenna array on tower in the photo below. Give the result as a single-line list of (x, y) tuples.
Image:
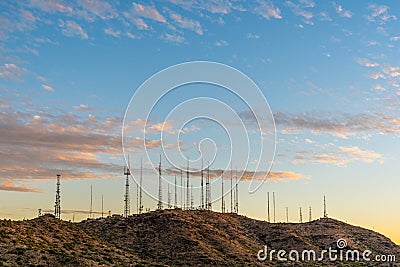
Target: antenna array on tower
[(57, 206)]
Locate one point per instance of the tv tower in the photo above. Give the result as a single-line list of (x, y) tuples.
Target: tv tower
[(222, 187), (159, 205), (268, 217), (301, 216), (202, 189), (236, 194), (325, 214), (231, 189), (208, 189), (140, 189), (57, 206), (187, 187), (176, 195), (310, 215), (127, 172)]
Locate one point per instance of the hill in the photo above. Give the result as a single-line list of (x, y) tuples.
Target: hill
[(178, 238)]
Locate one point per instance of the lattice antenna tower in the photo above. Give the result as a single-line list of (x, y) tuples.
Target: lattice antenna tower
[(175, 195), (231, 189), (273, 199), (222, 192), (187, 186), (309, 214), (57, 206), (236, 194), (301, 216), (159, 205), (268, 215), (208, 188), (127, 172), (325, 214)]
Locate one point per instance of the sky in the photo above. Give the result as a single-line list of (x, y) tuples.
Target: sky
[(328, 70)]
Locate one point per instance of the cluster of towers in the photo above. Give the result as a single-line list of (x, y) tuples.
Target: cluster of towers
[(186, 191)]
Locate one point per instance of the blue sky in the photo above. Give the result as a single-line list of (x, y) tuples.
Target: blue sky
[(329, 70)]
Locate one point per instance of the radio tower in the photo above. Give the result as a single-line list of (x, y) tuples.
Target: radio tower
[(325, 214), (176, 196), (169, 198), (182, 193), (236, 194), (91, 202), (231, 190), (57, 206), (140, 190), (268, 207), (273, 195), (202, 185), (159, 205), (191, 198), (208, 189), (222, 186), (310, 215), (301, 216), (187, 187), (287, 214), (127, 172)]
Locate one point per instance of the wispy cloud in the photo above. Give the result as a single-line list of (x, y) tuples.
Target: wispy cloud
[(366, 62), (173, 38), (267, 10), (72, 29), (51, 6), (149, 12), (112, 32), (340, 157), (303, 9), (221, 43), (48, 88), (11, 71), (20, 188), (380, 14), (186, 23), (342, 12), (341, 125), (101, 9)]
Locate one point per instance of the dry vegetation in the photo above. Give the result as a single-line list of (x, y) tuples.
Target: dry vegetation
[(174, 238)]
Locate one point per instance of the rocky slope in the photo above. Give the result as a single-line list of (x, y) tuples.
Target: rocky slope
[(178, 238)]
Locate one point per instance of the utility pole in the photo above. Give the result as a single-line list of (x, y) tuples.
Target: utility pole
[(159, 205), (57, 206)]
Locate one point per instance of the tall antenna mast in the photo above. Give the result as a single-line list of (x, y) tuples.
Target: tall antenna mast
[(222, 186), (191, 197), (141, 190), (202, 189), (301, 216), (187, 186), (137, 198), (273, 195), (325, 214), (102, 207), (91, 202), (310, 215), (169, 197), (176, 195), (57, 206), (127, 172), (231, 189), (287, 214), (159, 205), (236, 194), (182, 194), (208, 188), (269, 219)]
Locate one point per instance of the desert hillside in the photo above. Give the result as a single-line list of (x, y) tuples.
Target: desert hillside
[(176, 238)]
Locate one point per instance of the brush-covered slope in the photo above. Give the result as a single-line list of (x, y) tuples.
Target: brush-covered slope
[(204, 238)]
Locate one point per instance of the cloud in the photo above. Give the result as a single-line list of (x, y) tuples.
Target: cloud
[(340, 157), (51, 6), (112, 32), (48, 88), (379, 14), (11, 71), (221, 43), (341, 124), (173, 38), (101, 9), (366, 62), (82, 108), (72, 29), (187, 23), (342, 12), (267, 10), (303, 9), (252, 36), (20, 188), (149, 12), (376, 75)]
